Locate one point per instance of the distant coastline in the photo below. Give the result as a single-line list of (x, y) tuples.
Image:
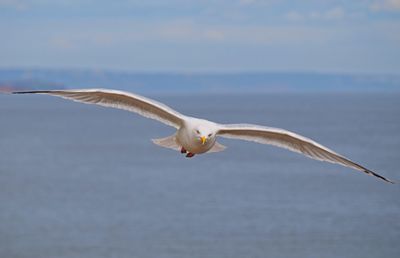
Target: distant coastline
[(7, 86), (20, 79)]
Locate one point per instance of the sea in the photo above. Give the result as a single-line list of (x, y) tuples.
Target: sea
[(85, 181)]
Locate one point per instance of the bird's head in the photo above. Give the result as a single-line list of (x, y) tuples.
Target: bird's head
[(204, 134)]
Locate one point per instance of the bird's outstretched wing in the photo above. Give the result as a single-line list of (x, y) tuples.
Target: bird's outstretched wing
[(121, 100), (292, 141)]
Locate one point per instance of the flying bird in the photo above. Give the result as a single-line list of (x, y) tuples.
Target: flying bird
[(197, 136)]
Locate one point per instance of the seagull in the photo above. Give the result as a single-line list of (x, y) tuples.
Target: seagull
[(197, 136)]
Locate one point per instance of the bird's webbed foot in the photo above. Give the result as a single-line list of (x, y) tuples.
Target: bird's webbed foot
[(189, 155)]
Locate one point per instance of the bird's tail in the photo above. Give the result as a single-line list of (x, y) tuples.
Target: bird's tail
[(168, 142)]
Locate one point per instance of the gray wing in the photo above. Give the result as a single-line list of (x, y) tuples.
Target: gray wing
[(292, 141), (121, 100)]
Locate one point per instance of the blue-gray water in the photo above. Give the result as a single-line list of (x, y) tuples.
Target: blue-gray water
[(85, 181)]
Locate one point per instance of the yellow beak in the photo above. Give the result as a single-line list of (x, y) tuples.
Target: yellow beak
[(203, 139)]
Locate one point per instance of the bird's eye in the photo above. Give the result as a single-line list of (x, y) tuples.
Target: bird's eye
[(210, 135), (197, 131)]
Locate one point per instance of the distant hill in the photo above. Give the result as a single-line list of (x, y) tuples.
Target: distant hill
[(26, 84), (196, 83)]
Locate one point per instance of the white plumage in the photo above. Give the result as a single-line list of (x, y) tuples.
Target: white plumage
[(196, 136)]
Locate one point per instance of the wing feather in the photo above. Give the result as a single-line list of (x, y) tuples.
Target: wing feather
[(291, 141), (120, 100)]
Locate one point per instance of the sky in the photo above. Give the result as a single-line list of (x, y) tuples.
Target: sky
[(326, 36)]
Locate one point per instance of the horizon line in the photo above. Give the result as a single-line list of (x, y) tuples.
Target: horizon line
[(195, 72)]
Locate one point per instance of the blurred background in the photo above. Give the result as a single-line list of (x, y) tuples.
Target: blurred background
[(84, 181)]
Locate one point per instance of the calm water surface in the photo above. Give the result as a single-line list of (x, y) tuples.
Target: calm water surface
[(85, 181)]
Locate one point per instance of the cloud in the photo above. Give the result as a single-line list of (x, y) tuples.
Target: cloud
[(181, 31), (85, 32), (23, 5), (104, 35), (18, 5), (336, 13), (176, 31), (61, 42), (215, 35), (385, 5), (294, 16), (237, 34), (246, 2)]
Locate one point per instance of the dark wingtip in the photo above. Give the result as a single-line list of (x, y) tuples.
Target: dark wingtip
[(379, 176), (390, 181), (30, 92)]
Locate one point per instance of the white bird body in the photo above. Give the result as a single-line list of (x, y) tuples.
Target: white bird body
[(197, 136), (190, 140)]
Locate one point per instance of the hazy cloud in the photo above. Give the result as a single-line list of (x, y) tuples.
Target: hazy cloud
[(246, 2), (215, 35), (18, 5), (61, 42), (190, 34), (386, 5), (294, 16), (336, 13)]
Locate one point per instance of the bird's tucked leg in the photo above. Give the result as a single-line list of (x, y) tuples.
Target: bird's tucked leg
[(189, 155)]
